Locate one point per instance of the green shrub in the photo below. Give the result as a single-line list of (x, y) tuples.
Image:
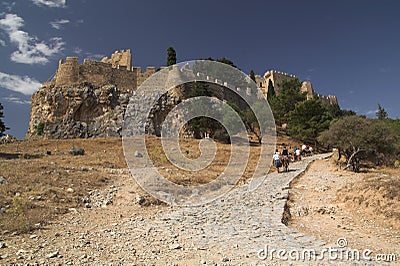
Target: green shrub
[(39, 129)]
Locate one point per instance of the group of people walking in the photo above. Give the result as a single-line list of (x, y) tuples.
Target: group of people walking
[(282, 159)]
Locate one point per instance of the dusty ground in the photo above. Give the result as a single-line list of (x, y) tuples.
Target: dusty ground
[(43, 180), (87, 209), (363, 208)]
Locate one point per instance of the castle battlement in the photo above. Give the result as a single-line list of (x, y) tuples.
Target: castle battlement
[(117, 70), (276, 78)]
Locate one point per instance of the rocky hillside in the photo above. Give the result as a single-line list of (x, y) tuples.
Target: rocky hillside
[(85, 110), (80, 111)]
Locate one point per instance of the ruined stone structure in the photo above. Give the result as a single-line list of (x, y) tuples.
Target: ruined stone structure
[(276, 77), (119, 59), (90, 99), (117, 70)]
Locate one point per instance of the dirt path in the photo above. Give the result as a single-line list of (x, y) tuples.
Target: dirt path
[(232, 230), (319, 207)]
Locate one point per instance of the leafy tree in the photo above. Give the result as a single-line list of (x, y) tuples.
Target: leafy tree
[(286, 100), (225, 61), (335, 111), (347, 113), (2, 126), (381, 113), (203, 124), (291, 84), (359, 138), (200, 89), (253, 124), (171, 56), (308, 120), (230, 119), (215, 70), (252, 75)]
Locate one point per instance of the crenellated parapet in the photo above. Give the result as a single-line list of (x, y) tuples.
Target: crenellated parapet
[(117, 71), (277, 77)]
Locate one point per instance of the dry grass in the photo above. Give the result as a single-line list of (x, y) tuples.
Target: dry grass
[(378, 194), (37, 184), (36, 187)]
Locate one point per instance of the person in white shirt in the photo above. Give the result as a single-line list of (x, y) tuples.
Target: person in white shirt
[(277, 160), (298, 154)]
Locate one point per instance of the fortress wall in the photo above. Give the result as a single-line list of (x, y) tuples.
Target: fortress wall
[(68, 72), (116, 70), (276, 77), (261, 84), (100, 74), (124, 79), (306, 86), (121, 59), (329, 100), (97, 73)]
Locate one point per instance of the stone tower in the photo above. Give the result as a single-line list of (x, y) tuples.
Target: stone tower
[(122, 58), (68, 72), (306, 86)]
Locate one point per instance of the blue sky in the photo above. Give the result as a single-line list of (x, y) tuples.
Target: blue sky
[(347, 48)]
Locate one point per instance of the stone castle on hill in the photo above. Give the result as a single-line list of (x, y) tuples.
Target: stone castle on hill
[(117, 70), (276, 77), (89, 99)]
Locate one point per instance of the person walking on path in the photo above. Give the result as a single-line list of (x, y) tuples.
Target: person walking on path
[(277, 159)]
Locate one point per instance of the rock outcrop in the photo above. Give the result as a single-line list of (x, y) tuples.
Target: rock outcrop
[(80, 111)]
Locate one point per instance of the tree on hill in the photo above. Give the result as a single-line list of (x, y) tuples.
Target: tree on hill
[(252, 75), (289, 95), (201, 125), (271, 90), (360, 138), (2, 126), (255, 125), (226, 61), (171, 56), (381, 113), (291, 84), (308, 120)]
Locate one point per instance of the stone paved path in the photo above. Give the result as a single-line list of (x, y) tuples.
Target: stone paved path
[(229, 231)]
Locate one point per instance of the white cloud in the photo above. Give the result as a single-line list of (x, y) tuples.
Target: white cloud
[(94, 56), (30, 49), (23, 84), (11, 22), (16, 100), (2, 42), (371, 112), (50, 3), (58, 24)]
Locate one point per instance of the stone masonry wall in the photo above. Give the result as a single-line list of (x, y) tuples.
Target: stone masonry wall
[(120, 59), (68, 72), (276, 77)]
